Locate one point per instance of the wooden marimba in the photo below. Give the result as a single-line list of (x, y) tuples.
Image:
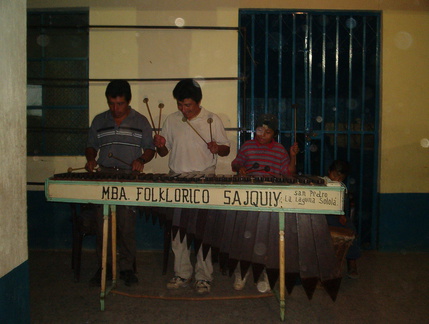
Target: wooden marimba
[(243, 219)]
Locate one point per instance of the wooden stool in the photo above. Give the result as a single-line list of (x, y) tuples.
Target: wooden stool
[(342, 239)]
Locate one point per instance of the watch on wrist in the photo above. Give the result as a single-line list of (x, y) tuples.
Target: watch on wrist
[(142, 160)]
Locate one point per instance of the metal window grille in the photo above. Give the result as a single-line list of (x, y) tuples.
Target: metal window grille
[(57, 108), (319, 73)]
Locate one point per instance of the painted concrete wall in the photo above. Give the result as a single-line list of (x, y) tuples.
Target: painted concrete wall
[(404, 156), (14, 282), (13, 229)]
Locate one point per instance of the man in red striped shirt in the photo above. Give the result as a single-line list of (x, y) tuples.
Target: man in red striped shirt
[(263, 155)]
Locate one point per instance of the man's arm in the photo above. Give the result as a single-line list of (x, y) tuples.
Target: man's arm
[(219, 136), (148, 155), (91, 163), (221, 150), (138, 164), (294, 150)]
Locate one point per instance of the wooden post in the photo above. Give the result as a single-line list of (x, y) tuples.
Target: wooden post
[(282, 264), (113, 222), (104, 254)]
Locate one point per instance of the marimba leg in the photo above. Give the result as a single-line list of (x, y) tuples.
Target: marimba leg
[(104, 254), (113, 224), (282, 264)]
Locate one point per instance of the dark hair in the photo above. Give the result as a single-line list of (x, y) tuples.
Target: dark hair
[(187, 88), (341, 167), (270, 121), (119, 88)]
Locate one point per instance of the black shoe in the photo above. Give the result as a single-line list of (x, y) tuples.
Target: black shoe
[(96, 279), (128, 277)]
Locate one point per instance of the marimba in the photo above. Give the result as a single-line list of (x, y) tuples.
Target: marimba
[(243, 219)]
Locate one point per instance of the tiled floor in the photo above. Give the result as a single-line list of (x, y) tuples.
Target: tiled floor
[(392, 288)]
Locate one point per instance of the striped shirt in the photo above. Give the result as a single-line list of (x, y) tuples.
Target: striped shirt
[(126, 141), (263, 159)]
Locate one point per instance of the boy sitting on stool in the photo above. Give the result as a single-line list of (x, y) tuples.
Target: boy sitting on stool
[(338, 171)]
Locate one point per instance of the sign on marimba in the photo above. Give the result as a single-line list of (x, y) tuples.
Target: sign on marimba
[(262, 197)]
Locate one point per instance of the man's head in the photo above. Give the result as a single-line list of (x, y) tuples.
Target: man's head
[(339, 170), (188, 89), (188, 96), (118, 94), (266, 128), (119, 88)]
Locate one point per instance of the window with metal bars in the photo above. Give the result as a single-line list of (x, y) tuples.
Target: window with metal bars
[(57, 86), (319, 72)]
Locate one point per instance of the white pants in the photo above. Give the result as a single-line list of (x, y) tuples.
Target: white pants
[(182, 261)]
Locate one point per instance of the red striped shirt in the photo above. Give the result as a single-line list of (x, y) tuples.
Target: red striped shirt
[(271, 158)]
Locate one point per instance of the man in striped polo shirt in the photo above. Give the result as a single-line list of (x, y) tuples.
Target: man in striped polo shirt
[(119, 141)]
